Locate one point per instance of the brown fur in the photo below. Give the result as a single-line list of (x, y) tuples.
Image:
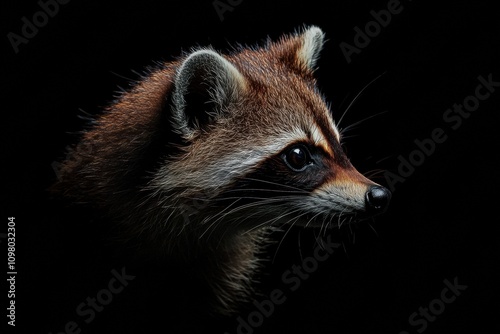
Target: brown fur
[(147, 173)]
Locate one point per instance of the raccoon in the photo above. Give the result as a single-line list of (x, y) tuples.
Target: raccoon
[(205, 155)]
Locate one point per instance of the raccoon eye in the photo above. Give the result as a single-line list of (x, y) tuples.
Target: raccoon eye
[(297, 158)]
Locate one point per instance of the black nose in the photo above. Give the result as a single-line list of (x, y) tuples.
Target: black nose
[(377, 199)]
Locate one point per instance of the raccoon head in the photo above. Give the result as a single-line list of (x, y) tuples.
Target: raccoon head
[(223, 145), (260, 144)]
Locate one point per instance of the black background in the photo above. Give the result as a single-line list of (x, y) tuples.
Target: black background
[(442, 221)]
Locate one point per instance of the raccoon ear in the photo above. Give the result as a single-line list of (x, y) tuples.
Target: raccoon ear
[(204, 84), (312, 42), (301, 50)]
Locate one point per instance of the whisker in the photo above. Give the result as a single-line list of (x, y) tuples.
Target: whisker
[(323, 224), (345, 249), (261, 201), (221, 215), (287, 231), (300, 247), (351, 233), (328, 226), (270, 199), (313, 217), (212, 224), (340, 218), (351, 126), (272, 219), (267, 190), (344, 138), (382, 159), (374, 173), (275, 184), (373, 229), (357, 96)]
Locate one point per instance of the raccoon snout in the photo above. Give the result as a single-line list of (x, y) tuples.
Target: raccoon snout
[(377, 200)]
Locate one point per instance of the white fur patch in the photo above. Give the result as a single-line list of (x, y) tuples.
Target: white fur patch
[(332, 125), (349, 197), (191, 175), (319, 139)]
